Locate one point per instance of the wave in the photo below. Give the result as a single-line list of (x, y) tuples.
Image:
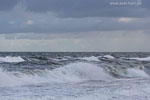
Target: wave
[(11, 59), (92, 58), (75, 72), (108, 56), (141, 59), (135, 72), (17, 79)]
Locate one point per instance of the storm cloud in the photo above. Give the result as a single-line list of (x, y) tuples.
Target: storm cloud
[(83, 8), (63, 16), (89, 8)]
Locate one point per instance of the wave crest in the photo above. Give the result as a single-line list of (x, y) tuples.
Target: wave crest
[(141, 59), (11, 59)]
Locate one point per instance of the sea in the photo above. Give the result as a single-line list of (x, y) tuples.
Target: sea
[(74, 76)]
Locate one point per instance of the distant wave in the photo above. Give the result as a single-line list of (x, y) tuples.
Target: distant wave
[(141, 59), (11, 59), (108, 56), (92, 58)]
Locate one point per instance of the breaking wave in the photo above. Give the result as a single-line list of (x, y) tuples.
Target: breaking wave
[(141, 59), (11, 59), (92, 58), (75, 72), (108, 56), (135, 72)]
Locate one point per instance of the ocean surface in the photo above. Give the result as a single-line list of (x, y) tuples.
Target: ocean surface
[(74, 76)]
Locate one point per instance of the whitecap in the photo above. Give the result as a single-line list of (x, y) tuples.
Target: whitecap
[(92, 58), (11, 59), (109, 56)]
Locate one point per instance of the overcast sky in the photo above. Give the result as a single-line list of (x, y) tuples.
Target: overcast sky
[(75, 25)]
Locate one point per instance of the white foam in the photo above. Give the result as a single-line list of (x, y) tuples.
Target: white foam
[(79, 71), (135, 72), (142, 59), (109, 56), (75, 72), (7, 79), (17, 79), (11, 59), (92, 58), (121, 90)]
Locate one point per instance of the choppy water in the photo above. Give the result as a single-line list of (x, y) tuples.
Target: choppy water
[(74, 76)]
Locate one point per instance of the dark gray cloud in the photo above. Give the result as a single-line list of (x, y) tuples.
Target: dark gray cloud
[(68, 16), (83, 8), (90, 8), (146, 4), (46, 24), (7, 4)]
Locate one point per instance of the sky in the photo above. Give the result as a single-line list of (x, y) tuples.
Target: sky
[(75, 25)]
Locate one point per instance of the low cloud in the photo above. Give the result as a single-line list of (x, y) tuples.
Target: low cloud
[(124, 41)]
